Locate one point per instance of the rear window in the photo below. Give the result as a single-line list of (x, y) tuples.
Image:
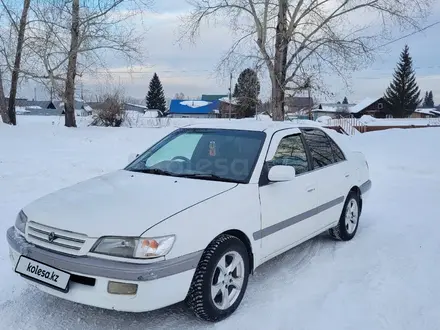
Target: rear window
[(320, 148)]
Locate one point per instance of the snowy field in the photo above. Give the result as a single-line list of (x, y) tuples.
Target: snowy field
[(387, 277)]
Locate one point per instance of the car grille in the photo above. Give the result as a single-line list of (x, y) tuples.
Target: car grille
[(55, 239)]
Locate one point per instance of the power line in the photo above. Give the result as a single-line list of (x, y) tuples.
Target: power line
[(385, 70), (210, 70), (152, 72), (408, 35)]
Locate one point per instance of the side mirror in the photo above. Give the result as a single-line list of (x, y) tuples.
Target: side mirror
[(132, 157), (279, 173)]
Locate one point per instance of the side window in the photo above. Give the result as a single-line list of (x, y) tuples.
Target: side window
[(291, 152), (320, 148), (337, 152)]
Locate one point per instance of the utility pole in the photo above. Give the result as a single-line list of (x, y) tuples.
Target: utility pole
[(230, 96), (310, 103), (256, 92)]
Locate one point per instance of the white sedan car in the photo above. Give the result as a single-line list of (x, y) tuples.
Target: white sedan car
[(192, 217)]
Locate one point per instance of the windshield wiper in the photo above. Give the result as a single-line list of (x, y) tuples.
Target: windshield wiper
[(154, 171), (208, 176)]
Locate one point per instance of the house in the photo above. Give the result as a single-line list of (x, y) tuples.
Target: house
[(37, 108), (294, 104), (228, 106), (97, 105), (375, 107), (211, 98), (135, 107), (82, 109), (152, 113), (194, 109), (49, 108), (332, 110), (426, 113)]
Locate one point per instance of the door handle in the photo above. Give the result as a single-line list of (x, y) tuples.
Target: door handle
[(347, 175), (310, 189)]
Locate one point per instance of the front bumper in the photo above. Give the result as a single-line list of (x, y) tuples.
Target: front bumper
[(160, 284)]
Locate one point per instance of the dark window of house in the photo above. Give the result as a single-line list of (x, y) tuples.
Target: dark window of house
[(320, 148), (337, 152), (291, 152)]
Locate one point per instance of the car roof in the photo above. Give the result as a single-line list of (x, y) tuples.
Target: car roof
[(267, 126)]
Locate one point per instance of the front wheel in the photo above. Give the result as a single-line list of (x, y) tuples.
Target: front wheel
[(220, 280), (349, 220)]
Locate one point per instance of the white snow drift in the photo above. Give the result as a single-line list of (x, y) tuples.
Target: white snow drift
[(385, 278)]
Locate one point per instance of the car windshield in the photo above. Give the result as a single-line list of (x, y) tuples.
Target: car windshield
[(210, 154)]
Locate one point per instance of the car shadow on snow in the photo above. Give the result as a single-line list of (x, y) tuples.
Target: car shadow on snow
[(35, 308)]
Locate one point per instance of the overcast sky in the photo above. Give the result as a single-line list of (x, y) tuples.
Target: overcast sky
[(189, 69)]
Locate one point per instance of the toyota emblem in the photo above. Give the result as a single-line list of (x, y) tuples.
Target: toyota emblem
[(52, 237)]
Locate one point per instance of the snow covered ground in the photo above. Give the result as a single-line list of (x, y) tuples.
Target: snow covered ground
[(385, 278), (371, 121)]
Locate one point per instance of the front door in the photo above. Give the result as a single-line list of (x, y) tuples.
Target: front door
[(286, 206)]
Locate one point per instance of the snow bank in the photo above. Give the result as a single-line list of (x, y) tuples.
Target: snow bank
[(385, 278), (195, 104), (403, 122), (366, 119), (324, 119), (22, 110)]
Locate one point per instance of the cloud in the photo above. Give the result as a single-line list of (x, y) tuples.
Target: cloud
[(185, 67), (189, 68)]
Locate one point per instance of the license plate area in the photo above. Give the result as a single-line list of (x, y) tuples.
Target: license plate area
[(43, 274)]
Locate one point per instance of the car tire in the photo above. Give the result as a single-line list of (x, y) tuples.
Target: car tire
[(349, 221), (223, 267)]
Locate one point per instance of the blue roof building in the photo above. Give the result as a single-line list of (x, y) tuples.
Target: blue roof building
[(210, 98), (194, 108)]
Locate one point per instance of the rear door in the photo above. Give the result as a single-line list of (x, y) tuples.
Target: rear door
[(285, 206), (332, 174)]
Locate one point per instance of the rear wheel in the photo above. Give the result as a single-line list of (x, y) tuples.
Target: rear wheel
[(349, 220), (220, 280)]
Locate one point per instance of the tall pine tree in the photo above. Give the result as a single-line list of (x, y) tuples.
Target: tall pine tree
[(156, 97), (345, 101), (235, 94), (430, 100), (403, 94), (425, 100), (246, 91)]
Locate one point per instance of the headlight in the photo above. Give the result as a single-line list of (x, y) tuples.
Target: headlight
[(134, 247), (20, 222)]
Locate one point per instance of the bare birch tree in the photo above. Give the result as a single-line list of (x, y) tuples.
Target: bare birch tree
[(297, 38), (68, 38), (3, 106), (69, 93), (20, 29)]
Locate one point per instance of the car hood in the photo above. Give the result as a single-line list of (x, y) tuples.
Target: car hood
[(120, 203)]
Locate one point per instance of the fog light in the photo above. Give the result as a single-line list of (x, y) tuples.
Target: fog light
[(121, 288)]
